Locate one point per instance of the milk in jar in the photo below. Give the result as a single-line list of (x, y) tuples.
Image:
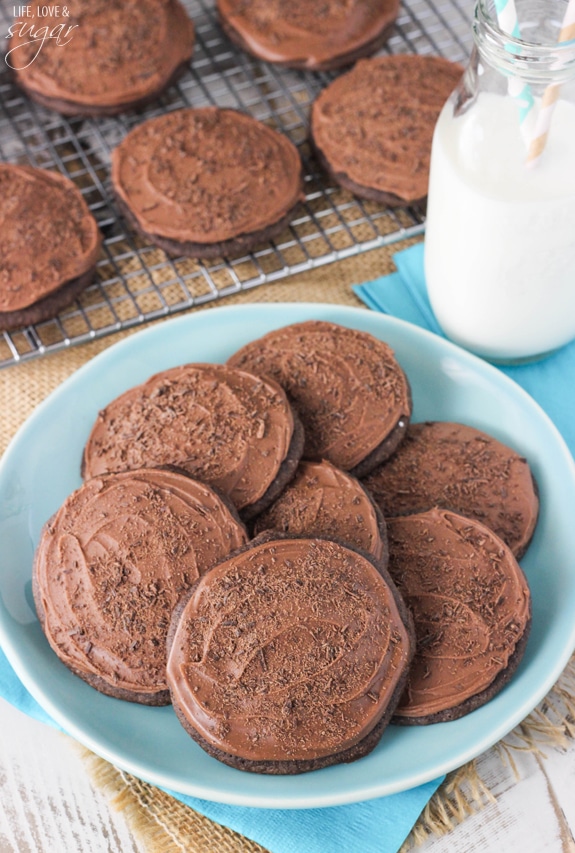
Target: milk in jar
[(500, 235)]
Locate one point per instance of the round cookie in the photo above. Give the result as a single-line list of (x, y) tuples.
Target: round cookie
[(109, 57), (230, 429), (323, 501), (472, 612), (372, 128), (207, 182), (460, 468), (300, 34), (49, 244), (352, 396), (289, 656), (111, 565)]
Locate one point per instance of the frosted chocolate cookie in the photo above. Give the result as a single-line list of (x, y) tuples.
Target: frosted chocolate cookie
[(49, 244), (111, 565), (207, 182), (313, 36), (372, 128), (226, 427), (109, 57), (323, 501), (289, 656), (472, 612), (351, 394), (460, 468)]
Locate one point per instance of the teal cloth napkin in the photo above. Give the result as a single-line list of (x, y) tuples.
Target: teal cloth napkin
[(550, 381)]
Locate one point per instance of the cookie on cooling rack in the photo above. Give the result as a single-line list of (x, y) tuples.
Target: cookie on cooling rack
[(372, 128), (457, 467), (471, 607), (49, 244), (112, 564), (207, 182), (313, 36), (347, 387), (321, 500), (230, 429), (289, 656), (109, 57)]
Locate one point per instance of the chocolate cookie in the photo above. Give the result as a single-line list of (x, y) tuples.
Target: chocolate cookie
[(112, 564), (372, 128), (228, 428), (352, 396), (49, 244), (207, 182), (323, 501), (289, 656), (472, 611), (457, 467), (108, 57), (300, 34)]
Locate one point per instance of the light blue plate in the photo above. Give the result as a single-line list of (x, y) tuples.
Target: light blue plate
[(42, 466)]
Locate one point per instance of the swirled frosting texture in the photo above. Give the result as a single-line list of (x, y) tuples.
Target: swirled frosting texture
[(288, 651), (346, 386), (470, 602), (206, 175), (321, 500), (226, 427), (48, 236), (113, 562), (460, 468), (307, 35), (116, 54), (375, 124)]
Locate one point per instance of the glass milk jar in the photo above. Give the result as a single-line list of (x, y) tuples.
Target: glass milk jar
[(500, 234)]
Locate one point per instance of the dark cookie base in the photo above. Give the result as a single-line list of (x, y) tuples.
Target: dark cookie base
[(243, 244), (72, 108), (353, 753), (48, 307), (347, 58), (369, 193), (384, 450), (499, 682)]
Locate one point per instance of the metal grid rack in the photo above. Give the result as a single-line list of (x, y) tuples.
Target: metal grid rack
[(136, 282)]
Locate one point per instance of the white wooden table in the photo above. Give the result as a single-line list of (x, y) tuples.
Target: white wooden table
[(48, 803)]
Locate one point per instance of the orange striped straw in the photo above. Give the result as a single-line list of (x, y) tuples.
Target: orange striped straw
[(550, 95)]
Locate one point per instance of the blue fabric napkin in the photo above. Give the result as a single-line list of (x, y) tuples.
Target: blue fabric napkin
[(550, 381)]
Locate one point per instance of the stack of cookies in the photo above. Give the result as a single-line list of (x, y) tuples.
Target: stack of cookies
[(273, 547)]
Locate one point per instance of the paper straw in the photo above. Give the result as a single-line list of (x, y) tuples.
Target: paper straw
[(550, 95), (507, 20)]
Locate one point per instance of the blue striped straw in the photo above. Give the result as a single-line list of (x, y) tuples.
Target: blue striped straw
[(508, 23)]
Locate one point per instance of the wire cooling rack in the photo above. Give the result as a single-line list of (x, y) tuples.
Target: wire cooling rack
[(136, 282)]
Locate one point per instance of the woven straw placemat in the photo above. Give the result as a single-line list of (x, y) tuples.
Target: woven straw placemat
[(164, 824)]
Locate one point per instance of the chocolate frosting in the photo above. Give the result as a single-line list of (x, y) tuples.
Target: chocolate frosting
[(470, 603), (226, 427), (116, 55), (113, 562), (288, 651), (304, 34), (375, 124), (206, 175), (346, 386), (458, 467), (321, 500), (47, 235)]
